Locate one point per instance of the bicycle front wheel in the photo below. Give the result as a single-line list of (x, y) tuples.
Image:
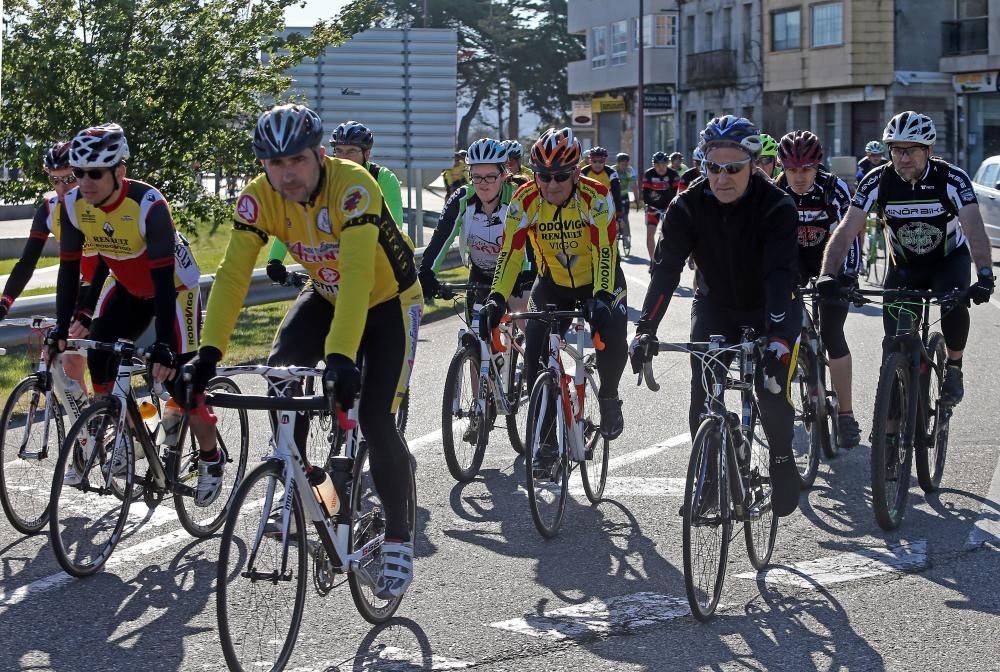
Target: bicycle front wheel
[(29, 449), (232, 435), (88, 511), (761, 525), (261, 581), (517, 396), (546, 461), (806, 434), (891, 460), (932, 447), (462, 422), (706, 527), (595, 467)]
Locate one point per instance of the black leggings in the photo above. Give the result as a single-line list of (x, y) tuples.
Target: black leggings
[(777, 415), (832, 316), (951, 272)]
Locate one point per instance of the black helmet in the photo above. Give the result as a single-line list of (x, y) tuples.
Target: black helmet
[(353, 133), (622, 156), (285, 130), (597, 151), (659, 157)]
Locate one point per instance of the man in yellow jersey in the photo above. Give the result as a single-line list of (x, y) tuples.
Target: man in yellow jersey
[(364, 299), (456, 176), (570, 222)]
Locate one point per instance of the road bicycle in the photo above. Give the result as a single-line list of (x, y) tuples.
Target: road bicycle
[(728, 477), (910, 417), (103, 448), (483, 381), (563, 421), (264, 552), (624, 233), (876, 253)]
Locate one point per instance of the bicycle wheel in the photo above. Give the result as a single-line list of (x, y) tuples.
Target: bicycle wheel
[(831, 413), (367, 523), (546, 491), (261, 583), (890, 465), (881, 259), (517, 397), (595, 467), (232, 433), (403, 413), (87, 519), (761, 525), (29, 449), (932, 447), (706, 528), (805, 439), (462, 423)]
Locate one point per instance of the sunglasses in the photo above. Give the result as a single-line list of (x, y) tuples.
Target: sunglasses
[(65, 179), (92, 173), (558, 177), (767, 159), (488, 179), (731, 168)]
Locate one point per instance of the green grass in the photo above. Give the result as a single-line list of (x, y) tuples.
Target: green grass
[(210, 248), (14, 366), (7, 265)]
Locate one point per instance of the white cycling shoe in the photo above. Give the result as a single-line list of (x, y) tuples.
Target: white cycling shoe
[(396, 570), (209, 480)]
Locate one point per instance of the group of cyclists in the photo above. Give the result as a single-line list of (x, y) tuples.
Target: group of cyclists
[(757, 216)]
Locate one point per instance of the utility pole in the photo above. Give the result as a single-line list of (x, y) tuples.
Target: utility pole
[(640, 107)]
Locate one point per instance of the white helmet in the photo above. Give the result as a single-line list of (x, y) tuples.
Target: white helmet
[(910, 126), (101, 146), (487, 150)]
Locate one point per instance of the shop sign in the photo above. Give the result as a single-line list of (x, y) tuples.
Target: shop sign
[(976, 82), (609, 104), (582, 115)]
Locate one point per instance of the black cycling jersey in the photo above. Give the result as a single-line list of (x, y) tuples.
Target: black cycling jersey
[(921, 229), (688, 178), (658, 190), (746, 253), (820, 211), (865, 166)]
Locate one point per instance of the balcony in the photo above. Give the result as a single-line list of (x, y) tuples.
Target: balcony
[(966, 36), (711, 69)]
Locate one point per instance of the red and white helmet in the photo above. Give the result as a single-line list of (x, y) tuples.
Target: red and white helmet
[(101, 146)]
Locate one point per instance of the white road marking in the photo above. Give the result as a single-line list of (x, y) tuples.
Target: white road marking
[(844, 567), (986, 531), (424, 441), (645, 453), (618, 615), (636, 486)]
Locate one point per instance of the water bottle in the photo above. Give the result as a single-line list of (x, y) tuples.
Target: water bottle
[(341, 473), (323, 489), (170, 426)]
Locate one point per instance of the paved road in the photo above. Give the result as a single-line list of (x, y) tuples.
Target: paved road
[(608, 592)]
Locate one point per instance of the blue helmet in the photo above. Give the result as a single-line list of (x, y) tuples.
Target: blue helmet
[(352, 133), (732, 130), (487, 150), (514, 150)]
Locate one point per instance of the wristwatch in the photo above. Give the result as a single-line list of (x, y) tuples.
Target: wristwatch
[(985, 272)]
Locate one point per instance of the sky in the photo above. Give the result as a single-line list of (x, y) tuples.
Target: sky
[(313, 11)]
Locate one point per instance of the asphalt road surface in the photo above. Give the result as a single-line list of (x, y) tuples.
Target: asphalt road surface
[(607, 593)]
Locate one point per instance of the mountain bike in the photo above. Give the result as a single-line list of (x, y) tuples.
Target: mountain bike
[(563, 421), (728, 478), (483, 381), (910, 416), (876, 254), (264, 553), (88, 518)]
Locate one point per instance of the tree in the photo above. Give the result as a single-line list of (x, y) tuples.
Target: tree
[(186, 79)]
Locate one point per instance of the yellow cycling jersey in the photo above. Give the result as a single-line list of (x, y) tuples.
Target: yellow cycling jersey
[(345, 238), (604, 177), (574, 243)]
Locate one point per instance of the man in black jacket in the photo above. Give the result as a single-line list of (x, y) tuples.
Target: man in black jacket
[(741, 231)]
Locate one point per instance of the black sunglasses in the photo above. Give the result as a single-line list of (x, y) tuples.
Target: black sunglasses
[(558, 177), (92, 173)]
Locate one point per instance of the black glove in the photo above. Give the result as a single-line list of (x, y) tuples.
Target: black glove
[(829, 287), (490, 315), (203, 367), (641, 350), (598, 313), (162, 354), (5, 304), (84, 318), (777, 359), (277, 271), (60, 333), (525, 281), (343, 376), (981, 291), (429, 283)]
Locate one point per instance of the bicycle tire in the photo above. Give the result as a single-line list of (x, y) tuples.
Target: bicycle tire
[(759, 532), (831, 411), (881, 260), (594, 471), (235, 445), (932, 449), (366, 522), (703, 598), (75, 499), (403, 413), (517, 398), (463, 468), (891, 398), (24, 503), (546, 496), (805, 439), (240, 549)]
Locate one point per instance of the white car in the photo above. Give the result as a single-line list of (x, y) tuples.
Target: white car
[(987, 185)]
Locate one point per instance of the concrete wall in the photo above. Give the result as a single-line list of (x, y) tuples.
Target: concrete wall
[(660, 68), (918, 23)]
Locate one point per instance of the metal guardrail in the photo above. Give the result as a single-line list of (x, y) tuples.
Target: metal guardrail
[(261, 291)]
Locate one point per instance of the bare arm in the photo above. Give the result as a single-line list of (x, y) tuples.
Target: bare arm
[(972, 223), (843, 236)]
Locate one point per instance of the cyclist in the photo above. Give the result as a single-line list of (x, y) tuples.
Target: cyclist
[(932, 217), (364, 298), (154, 279), (692, 173), (456, 176), (660, 184), (822, 200), (626, 178), (351, 141), (476, 217), (45, 222), (740, 228), (768, 159), (874, 157), (569, 221), (598, 170), (515, 168), (677, 163)]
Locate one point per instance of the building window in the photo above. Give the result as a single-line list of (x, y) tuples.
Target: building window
[(598, 46), (786, 30), (727, 21), (658, 30), (972, 9), (827, 24), (707, 25), (689, 35), (747, 33), (619, 42)]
